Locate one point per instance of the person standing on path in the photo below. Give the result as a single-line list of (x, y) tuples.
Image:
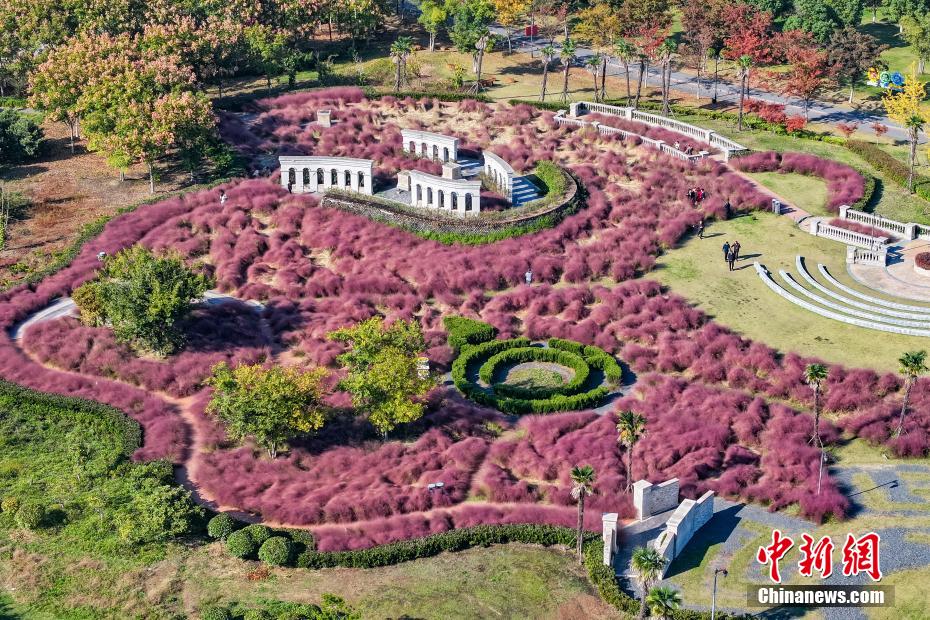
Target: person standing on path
[(701, 229), (727, 208), (735, 249), (726, 250), (731, 258)]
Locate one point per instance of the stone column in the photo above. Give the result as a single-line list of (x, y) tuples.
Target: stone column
[(299, 180), (609, 523), (285, 177), (353, 180)]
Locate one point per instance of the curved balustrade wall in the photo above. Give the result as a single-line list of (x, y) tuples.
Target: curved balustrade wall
[(302, 174)]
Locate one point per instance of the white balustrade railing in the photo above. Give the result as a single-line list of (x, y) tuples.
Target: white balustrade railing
[(707, 136), (908, 231), (607, 130), (819, 228), (864, 256)]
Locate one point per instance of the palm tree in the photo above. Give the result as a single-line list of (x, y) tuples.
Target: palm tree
[(593, 63), (815, 375), (663, 601), (547, 54), (745, 64), (647, 563), (666, 50), (582, 485), (625, 51), (566, 55), (400, 49), (630, 427), (914, 125), (643, 68), (912, 365)]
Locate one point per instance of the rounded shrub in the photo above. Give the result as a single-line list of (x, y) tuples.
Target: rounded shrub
[(276, 551), (221, 526), (257, 614), (9, 505), (258, 533), (30, 515), (922, 260), (215, 613), (240, 545)]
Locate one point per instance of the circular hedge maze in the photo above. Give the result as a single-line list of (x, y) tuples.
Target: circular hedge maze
[(516, 377)]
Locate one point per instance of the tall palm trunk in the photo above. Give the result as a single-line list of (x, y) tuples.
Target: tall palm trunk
[(666, 83), (642, 604), (565, 81), (816, 436), (542, 94), (626, 68), (643, 67), (742, 99), (908, 384), (579, 535), (913, 159), (604, 77), (629, 468), (396, 75)]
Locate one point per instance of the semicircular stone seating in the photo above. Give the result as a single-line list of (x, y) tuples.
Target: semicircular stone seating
[(922, 315), (877, 320), (826, 274)]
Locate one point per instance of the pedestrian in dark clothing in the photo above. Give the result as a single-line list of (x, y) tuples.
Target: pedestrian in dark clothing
[(727, 209), (692, 195), (701, 229), (700, 194), (731, 258), (726, 250), (735, 249)]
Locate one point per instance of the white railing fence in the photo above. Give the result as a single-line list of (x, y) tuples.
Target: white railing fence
[(908, 231), (819, 228), (606, 130), (707, 136)]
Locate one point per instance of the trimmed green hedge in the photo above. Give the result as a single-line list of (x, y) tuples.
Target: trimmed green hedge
[(520, 405), (276, 551), (535, 354), (890, 166), (463, 331), (428, 546), (373, 93)]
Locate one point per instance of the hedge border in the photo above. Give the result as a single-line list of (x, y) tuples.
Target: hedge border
[(462, 331), (888, 165), (521, 355), (520, 406)]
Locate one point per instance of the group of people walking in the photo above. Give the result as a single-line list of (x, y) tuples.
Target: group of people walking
[(696, 195), (731, 253)]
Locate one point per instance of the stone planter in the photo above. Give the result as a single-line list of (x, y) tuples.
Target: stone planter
[(923, 257)]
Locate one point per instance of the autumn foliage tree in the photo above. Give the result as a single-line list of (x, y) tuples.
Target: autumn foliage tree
[(809, 72), (851, 53), (748, 42), (905, 107)]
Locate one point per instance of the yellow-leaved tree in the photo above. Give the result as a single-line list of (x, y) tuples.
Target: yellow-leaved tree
[(510, 13), (904, 106)]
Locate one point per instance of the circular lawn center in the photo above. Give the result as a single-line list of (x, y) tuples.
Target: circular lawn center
[(535, 375)]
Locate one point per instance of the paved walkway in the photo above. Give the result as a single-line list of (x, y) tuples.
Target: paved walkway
[(898, 278)]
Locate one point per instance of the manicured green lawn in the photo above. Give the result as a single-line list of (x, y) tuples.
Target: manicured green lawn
[(798, 190), (741, 301), (534, 378)]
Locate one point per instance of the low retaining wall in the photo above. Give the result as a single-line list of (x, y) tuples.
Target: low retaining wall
[(422, 221), (691, 516), (862, 256)]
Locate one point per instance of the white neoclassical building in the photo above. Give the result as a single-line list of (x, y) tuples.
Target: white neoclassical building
[(304, 174), (500, 173), (435, 146), (458, 196)]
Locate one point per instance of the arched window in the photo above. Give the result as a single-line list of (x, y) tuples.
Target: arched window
[(305, 174), (468, 202), (419, 194), (441, 201), (445, 154), (423, 149), (333, 177), (455, 201), (319, 176), (435, 152), (361, 180), (348, 178), (429, 196), (413, 147), (291, 178)]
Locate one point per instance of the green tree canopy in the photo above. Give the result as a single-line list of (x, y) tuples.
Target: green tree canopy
[(144, 296), (271, 405), (383, 375)]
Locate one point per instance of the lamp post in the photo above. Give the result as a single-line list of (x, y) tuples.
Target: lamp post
[(713, 604)]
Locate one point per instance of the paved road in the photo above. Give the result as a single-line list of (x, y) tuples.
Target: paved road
[(820, 111)]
